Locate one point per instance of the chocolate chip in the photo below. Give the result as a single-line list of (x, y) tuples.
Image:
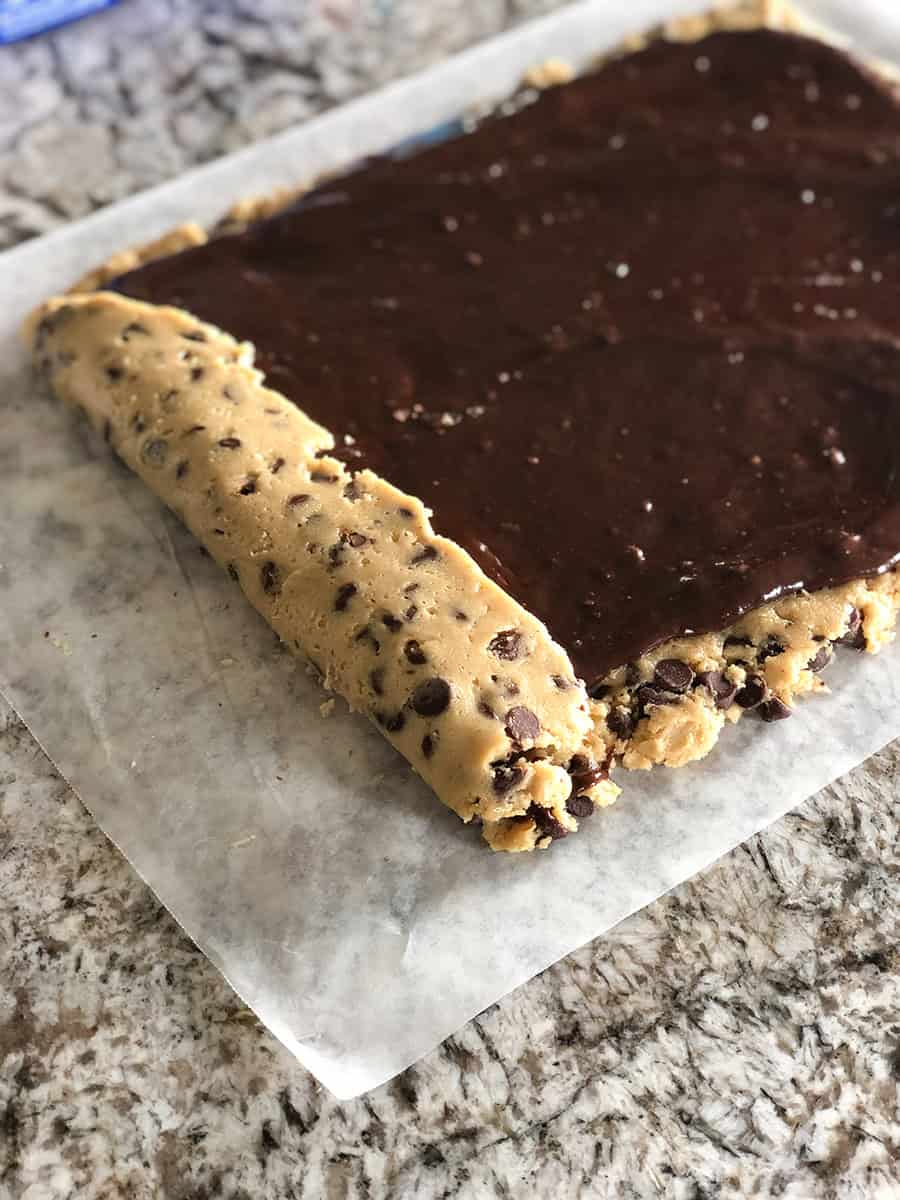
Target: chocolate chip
[(354, 539), (506, 645), (394, 624), (366, 635), (752, 693), (506, 777), (139, 425), (559, 682), (248, 488), (414, 653), (770, 648), (182, 469), (648, 694), (410, 588), (820, 659), (733, 640), (114, 374), (195, 335), (621, 722), (345, 594), (673, 675), (431, 697), (135, 327), (854, 636), (393, 723), (460, 615), (230, 443), (293, 501), (599, 691), (546, 822), (406, 512), (270, 578), (376, 679), (352, 490), (197, 373), (522, 725), (44, 329), (428, 744), (579, 806), (154, 452), (233, 572), (276, 466), (486, 711), (774, 710), (722, 689), (632, 675), (322, 477), (426, 554), (194, 429), (585, 774), (410, 612)]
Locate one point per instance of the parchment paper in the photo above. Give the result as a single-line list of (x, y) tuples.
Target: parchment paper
[(359, 919)]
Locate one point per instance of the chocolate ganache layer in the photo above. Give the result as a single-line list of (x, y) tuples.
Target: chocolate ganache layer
[(636, 344)]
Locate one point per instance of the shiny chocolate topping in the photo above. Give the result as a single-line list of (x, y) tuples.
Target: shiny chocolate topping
[(636, 345)]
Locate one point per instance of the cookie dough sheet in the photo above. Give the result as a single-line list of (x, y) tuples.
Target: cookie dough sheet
[(360, 919)]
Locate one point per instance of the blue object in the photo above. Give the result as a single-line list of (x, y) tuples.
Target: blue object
[(419, 141), (22, 18)]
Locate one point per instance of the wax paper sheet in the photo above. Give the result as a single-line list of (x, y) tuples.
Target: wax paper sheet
[(359, 919)]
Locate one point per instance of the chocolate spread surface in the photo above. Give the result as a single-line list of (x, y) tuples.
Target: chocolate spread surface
[(636, 345)]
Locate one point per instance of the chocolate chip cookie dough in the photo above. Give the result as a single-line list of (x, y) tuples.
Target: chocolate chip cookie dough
[(345, 567), (636, 348)]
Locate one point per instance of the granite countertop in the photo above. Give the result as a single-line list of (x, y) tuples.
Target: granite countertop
[(740, 1036)]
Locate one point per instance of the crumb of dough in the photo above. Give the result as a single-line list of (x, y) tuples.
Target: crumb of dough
[(549, 73)]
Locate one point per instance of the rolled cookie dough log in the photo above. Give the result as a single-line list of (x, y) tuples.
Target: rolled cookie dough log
[(345, 568)]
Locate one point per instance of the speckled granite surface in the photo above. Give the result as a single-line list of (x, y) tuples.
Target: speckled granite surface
[(741, 1036)]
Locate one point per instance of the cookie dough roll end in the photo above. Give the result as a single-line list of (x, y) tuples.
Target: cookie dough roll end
[(467, 684), (538, 828)]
